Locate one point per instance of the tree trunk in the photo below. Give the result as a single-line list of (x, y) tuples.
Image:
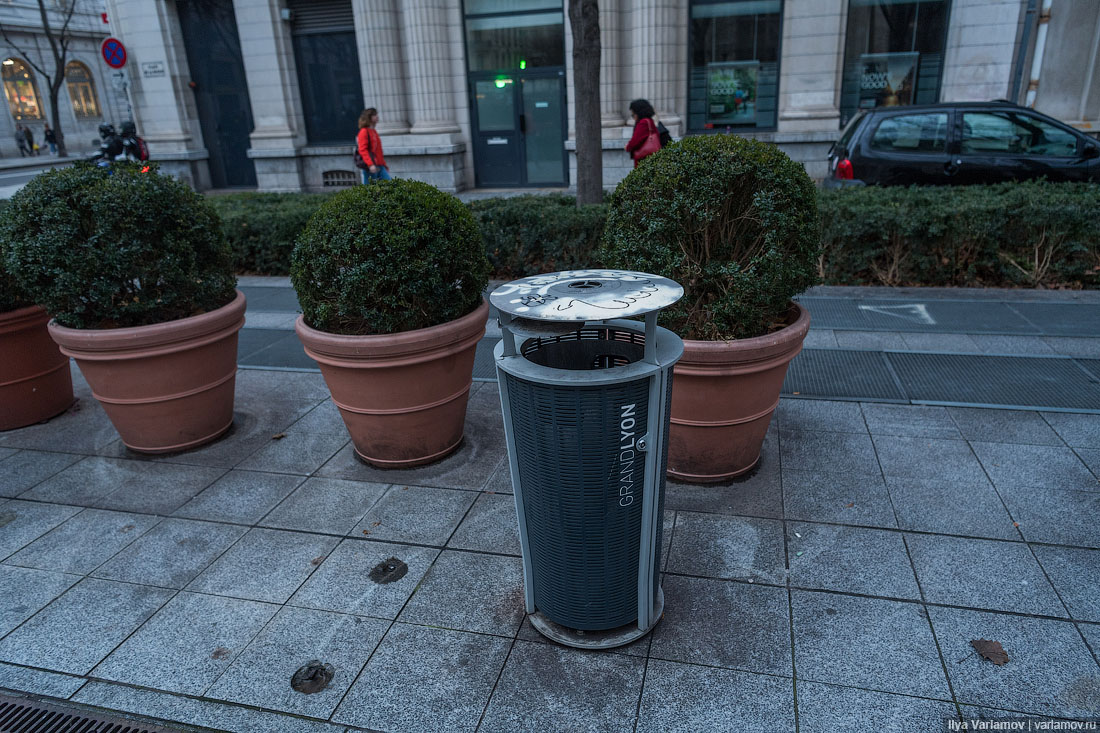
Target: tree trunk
[(55, 121), (584, 20)]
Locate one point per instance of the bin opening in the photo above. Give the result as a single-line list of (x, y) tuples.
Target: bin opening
[(591, 347)]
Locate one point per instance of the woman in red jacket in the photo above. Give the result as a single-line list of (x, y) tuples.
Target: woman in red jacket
[(370, 147), (644, 126)]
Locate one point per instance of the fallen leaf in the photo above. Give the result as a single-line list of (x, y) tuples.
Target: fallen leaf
[(1015, 524), (796, 393), (990, 650), (849, 505), (375, 524), (278, 436), (366, 531)]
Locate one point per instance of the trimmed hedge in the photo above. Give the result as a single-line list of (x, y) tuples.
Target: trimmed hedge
[(110, 248), (261, 227)]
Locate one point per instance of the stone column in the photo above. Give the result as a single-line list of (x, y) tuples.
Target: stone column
[(279, 125), (612, 105), (427, 48), (810, 68), (381, 63), (656, 35)]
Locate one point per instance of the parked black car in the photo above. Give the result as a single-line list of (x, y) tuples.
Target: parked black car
[(959, 143)]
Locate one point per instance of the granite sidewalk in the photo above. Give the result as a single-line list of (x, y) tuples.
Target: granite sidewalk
[(838, 588)]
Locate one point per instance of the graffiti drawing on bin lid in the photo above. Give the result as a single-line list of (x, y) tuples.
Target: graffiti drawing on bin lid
[(585, 295)]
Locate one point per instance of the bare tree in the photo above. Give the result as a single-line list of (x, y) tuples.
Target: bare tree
[(584, 21), (59, 41)]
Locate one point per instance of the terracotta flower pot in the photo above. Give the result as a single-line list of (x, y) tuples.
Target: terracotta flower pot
[(723, 396), (402, 396), (35, 383), (168, 386)]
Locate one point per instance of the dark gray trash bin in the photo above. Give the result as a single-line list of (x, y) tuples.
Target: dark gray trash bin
[(586, 397)]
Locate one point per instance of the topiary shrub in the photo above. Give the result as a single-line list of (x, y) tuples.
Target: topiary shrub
[(733, 220), (12, 296), (109, 248), (389, 257)]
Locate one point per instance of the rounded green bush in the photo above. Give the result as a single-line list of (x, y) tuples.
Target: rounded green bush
[(389, 257), (731, 219), (12, 296), (111, 248)]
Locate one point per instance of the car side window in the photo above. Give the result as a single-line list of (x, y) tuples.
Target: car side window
[(918, 133), (1013, 133)]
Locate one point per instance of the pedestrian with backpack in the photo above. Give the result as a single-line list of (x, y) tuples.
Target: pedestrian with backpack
[(646, 139), (368, 149)]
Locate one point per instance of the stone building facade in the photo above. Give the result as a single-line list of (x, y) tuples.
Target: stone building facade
[(90, 94), (478, 93)]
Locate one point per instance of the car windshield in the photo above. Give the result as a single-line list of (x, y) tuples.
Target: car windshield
[(846, 133)]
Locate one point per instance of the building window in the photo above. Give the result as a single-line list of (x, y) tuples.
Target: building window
[(81, 90), (734, 64), (328, 69), (19, 86), (893, 53), (502, 35)]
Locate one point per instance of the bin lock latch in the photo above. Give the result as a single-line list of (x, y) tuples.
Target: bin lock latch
[(642, 443)]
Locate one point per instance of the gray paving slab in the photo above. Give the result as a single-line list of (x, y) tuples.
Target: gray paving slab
[(124, 485), (324, 418), (734, 548), (1015, 345), (83, 428), (760, 494), (285, 352), (84, 542), (191, 711), (850, 559), (490, 526), (870, 340), (187, 644), (240, 496), (82, 626), (820, 338), (990, 574), (835, 709), (425, 679), (1056, 516), (265, 565), (871, 643), (1003, 426), (1023, 466), (1090, 458), (501, 480), (1077, 430), (299, 451), (955, 343), (417, 514), (270, 321), (820, 415), (22, 522), (1075, 574), (828, 452), (470, 592), (24, 469), (724, 624), (686, 698), (1049, 672), (947, 461), (282, 385), (25, 591), (932, 505), (343, 582), (1091, 633), (256, 417), (1088, 348), (39, 682), (330, 506), (171, 554), (546, 687), (921, 421), (470, 467), (844, 498), (260, 675), (637, 648)]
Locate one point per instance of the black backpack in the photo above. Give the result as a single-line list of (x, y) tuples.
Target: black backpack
[(664, 135)]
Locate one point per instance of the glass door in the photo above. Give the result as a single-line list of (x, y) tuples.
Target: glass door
[(543, 128), (497, 152)]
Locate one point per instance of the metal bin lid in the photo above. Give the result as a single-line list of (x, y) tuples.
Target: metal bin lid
[(585, 295)]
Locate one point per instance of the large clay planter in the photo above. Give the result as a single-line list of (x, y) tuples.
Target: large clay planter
[(35, 383), (402, 396), (723, 396), (168, 386)]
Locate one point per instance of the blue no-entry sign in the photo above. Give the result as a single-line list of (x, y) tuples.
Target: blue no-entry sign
[(114, 53)]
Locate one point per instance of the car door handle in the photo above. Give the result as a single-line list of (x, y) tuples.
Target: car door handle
[(951, 167)]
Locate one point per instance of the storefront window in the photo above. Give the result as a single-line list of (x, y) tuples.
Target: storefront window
[(19, 87), (734, 64), (893, 53), (514, 34), (81, 90)]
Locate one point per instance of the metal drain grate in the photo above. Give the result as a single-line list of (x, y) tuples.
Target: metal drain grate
[(920, 316), (1063, 319), (997, 381), (23, 715), (840, 374)]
